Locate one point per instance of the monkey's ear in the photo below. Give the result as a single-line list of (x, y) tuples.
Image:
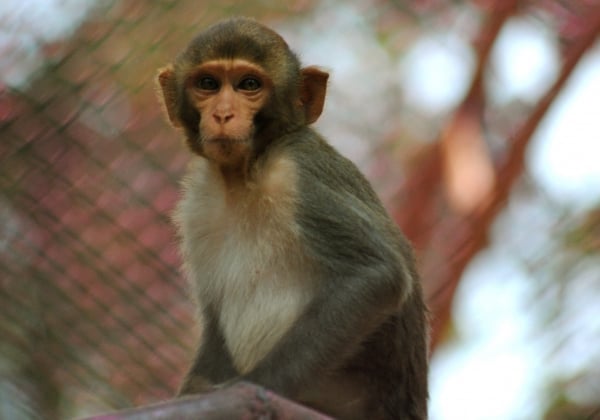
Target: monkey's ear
[(312, 92), (168, 86)]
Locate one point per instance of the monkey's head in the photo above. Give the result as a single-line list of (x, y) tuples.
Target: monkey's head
[(236, 88)]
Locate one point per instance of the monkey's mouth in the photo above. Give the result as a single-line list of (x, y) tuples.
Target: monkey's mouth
[(224, 148), (224, 140)]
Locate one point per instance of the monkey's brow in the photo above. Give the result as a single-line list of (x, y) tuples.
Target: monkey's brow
[(231, 64)]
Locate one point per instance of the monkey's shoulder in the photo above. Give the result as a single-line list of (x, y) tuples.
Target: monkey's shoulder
[(318, 161), (330, 184), (339, 203)]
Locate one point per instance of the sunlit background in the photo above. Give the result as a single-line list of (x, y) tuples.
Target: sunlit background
[(478, 123)]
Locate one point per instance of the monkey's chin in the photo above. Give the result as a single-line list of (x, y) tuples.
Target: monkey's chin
[(226, 151)]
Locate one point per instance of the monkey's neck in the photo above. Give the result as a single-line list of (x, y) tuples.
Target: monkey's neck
[(244, 173), (239, 176), (234, 177)]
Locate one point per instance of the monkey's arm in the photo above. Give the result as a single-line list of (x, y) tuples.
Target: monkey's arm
[(212, 364), (363, 280)]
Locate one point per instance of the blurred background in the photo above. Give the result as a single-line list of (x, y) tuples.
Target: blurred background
[(478, 123)]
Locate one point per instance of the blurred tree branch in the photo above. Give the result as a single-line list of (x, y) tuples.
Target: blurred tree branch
[(462, 230)]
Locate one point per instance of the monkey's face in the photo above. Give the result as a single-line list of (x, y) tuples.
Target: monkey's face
[(227, 94), (236, 88)]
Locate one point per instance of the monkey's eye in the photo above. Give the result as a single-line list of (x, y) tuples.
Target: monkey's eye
[(250, 83), (207, 83)]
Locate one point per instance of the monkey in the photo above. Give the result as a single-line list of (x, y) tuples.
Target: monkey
[(304, 284)]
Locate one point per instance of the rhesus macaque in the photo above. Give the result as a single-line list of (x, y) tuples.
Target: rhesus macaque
[(304, 284)]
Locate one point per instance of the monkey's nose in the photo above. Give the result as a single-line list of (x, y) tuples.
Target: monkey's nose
[(222, 117)]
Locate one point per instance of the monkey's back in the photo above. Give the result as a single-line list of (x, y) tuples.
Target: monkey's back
[(342, 202)]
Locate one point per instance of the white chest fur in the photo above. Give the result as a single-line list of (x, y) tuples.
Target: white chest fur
[(242, 255)]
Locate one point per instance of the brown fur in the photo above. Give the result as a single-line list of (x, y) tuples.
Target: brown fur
[(303, 282)]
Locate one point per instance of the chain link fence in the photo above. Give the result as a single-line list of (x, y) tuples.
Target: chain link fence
[(94, 311), (94, 314)]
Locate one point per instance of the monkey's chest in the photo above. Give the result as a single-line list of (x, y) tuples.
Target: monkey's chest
[(251, 274), (260, 291), (243, 255), (254, 316)]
